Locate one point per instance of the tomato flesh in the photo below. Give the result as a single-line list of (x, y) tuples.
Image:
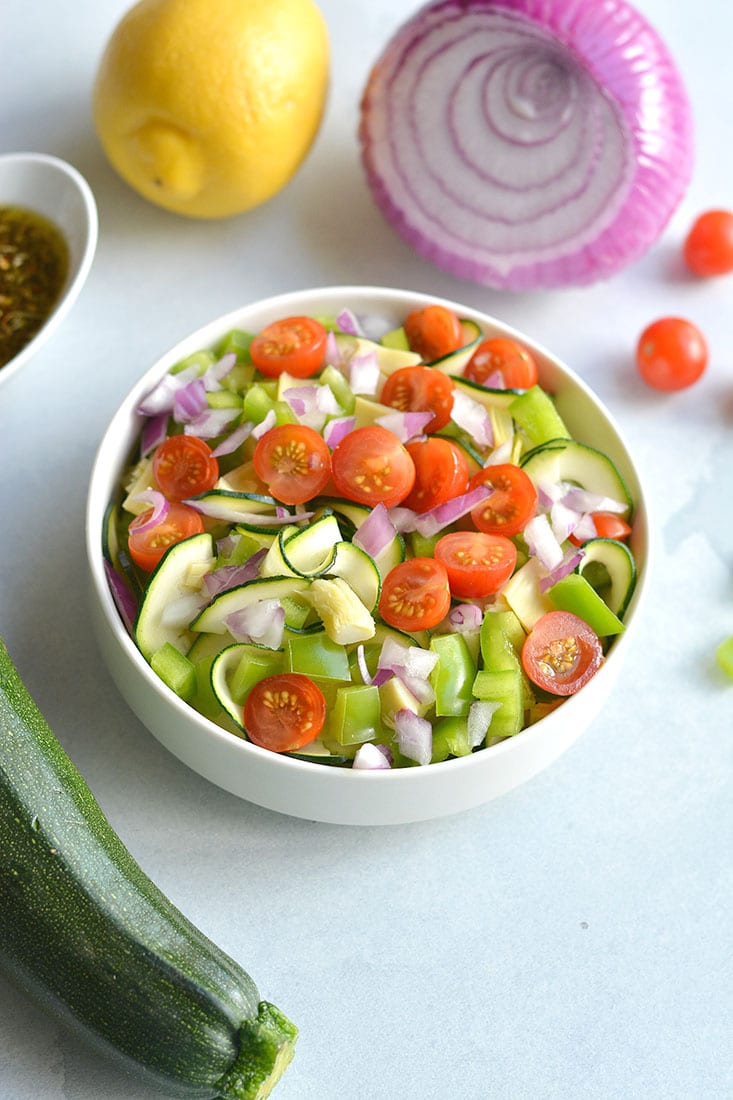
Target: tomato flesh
[(296, 345), (708, 247), (420, 389), (477, 564), (441, 473), (294, 462), (370, 466), (512, 503), (671, 354), (284, 712), (415, 595), (433, 332), (148, 547), (184, 466), (506, 358), (561, 653)]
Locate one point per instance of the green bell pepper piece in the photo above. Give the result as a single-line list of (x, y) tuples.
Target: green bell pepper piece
[(453, 676), (317, 655), (503, 687), (535, 413), (256, 664), (450, 738), (356, 715), (575, 594)]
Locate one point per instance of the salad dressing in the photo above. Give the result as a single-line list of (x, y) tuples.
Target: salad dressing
[(34, 260)]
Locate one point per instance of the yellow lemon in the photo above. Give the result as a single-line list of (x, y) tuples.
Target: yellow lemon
[(208, 107)]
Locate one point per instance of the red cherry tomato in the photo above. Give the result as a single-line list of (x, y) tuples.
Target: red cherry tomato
[(370, 465), (561, 653), (671, 354), (420, 389), (284, 712), (147, 547), (183, 466), (433, 332), (512, 503), (294, 462), (441, 473), (709, 245), (295, 344), (503, 356), (608, 526), (415, 595), (477, 564)]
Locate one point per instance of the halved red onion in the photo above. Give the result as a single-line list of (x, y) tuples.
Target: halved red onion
[(262, 622), (480, 714), (414, 736), (523, 144), (371, 757), (376, 532), (335, 430), (473, 418), (159, 508), (124, 600), (234, 439), (405, 425)]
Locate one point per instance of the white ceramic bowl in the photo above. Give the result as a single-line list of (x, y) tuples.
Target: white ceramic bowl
[(51, 187), (314, 791)]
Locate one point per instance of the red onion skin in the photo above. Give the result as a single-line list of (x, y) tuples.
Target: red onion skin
[(611, 48)]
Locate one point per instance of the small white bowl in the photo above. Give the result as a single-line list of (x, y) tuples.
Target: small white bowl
[(55, 189), (316, 791)]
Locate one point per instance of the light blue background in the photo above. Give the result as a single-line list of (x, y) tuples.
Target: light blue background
[(570, 941)]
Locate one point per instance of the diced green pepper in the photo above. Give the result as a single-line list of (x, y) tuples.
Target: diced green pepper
[(575, 594), (223, 399), (175, 669), (396, 338), (453, 676), (256, 664), (503, 687), (356, 715), (535, 413), (450, 738), (257, 403), (339, 387), (284, 413), (497, 650), (316, 655), (423, 546), (237, 341), (201, 360)]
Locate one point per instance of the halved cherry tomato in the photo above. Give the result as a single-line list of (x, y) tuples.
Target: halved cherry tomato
[(561, 653), (433, 331), (512, 503), (671, 354), (370, 465), (503, 356), (709, 244), (420, 389), (441, 473), (183, 466), (284, 712), (295, 344), (147, 547), (415, 594), (294, 461), (477, 564), (608, 526)]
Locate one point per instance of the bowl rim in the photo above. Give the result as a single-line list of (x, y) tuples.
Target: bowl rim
[(66, 176), (124, 420)]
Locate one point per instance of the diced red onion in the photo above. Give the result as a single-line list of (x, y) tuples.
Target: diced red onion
[(234, 439), (523, 144), (312, 404), (124, 600), (584, 501), (158, 504), (403, 519), (332, 354), (480, 714), (153, 432), (189, 401), (376, 532), (414, 736), (412, 665), (362, 664), (229, 513), (473, 418), (563, 520), (541, 542), (364, 374), (160, 398), (569, 563), (585, 528), (369, 757), (405, 425), (230, 576), (262, 622), (218, 370), (264, 425), (178, 613), (429, 523), (211, 422), (495, 381), (348, 322), (502, 453), (465, 617), (335, 430)]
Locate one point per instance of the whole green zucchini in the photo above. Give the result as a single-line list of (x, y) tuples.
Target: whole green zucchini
[(86, 931)]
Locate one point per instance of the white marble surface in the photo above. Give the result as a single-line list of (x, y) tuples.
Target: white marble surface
[(570, 941)]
